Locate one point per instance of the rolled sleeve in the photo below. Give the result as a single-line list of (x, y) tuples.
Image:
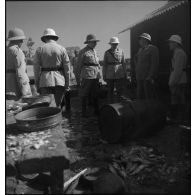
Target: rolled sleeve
[(66, 65), (21, 76), (37, 67), (104, 65)]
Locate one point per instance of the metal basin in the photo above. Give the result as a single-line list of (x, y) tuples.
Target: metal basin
[(37, 119), (37, 99)]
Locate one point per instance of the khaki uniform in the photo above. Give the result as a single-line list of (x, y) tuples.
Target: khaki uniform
[(114, 70), (17, 81), (178, 76), (89, 71), (147, 62), (52, 69)]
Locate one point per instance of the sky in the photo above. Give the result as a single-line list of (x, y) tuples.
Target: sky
[(73, 20)]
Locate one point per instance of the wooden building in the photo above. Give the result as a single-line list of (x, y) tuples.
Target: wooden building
[(172, 18)]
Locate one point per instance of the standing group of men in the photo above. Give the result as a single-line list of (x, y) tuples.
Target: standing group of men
[(52, 69)]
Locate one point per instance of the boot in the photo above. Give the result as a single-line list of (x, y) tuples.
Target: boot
[(96, 106), (67, 102), (84, 107)]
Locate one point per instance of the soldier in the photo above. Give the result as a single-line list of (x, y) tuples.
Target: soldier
[(147, 63), (178, 77), (114, 69), (88, 70), (52, 67), (17, 81)]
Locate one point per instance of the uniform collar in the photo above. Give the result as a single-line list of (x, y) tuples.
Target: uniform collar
[(114, 51), (51, 41)]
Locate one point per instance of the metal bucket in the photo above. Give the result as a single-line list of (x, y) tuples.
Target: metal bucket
[(37, 119), (131, 119)]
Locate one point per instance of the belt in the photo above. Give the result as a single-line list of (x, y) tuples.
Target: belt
[(53, 69), (10, 71), (91, 64), (114, 63), (184, 69)]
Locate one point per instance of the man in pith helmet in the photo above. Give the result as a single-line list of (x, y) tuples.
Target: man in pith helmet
[(147, 62), (52, 67), (89, 72), (17, 81), (114, 68), (178, 78)]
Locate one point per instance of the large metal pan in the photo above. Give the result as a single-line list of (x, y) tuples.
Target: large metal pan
[(37, 119)]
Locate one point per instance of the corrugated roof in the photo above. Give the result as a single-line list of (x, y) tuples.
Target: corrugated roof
[(167, 7)]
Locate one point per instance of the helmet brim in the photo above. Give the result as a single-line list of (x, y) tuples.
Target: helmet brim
[(174, 41), (140, 37), (16, 38), (54, 36), (93, 40), (113, 43)]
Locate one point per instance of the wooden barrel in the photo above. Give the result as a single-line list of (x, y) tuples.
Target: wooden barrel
[(131, 119)]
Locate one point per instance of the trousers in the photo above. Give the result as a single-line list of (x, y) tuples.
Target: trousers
[(145, 89), (57, 94)]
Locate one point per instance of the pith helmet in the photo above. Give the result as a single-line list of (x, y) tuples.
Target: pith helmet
[(175, 38), (49, 32), (114, 40), (146, 36), (91, 38), (16, 34)]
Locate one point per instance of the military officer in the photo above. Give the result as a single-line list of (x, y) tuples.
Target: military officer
[(17, 81), (178, 77), (89, 72), (147, 62), (52, 67), (114, 69)]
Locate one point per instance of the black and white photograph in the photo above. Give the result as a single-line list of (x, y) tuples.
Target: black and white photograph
[(97, 97)]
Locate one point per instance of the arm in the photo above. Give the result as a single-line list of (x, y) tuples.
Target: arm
[(21, 75), (123, 63), (154, 63), (66, 66), (104, 66), (178, 69), (37, 67)]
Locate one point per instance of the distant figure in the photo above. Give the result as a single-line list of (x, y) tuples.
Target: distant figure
[(75, 68), (17, 81), (114, 68), (147, 62), (89, 71), (52, 67), (178, 78)]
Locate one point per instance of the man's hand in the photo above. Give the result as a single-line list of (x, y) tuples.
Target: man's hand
[(67, 88)]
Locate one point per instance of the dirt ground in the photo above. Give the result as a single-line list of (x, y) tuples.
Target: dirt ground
[(168, 173)]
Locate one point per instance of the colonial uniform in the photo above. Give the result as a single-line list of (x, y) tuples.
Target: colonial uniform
[(178, 76), (114, 70), (147, 62), (17, 81), (89, 71), (52, 68)]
